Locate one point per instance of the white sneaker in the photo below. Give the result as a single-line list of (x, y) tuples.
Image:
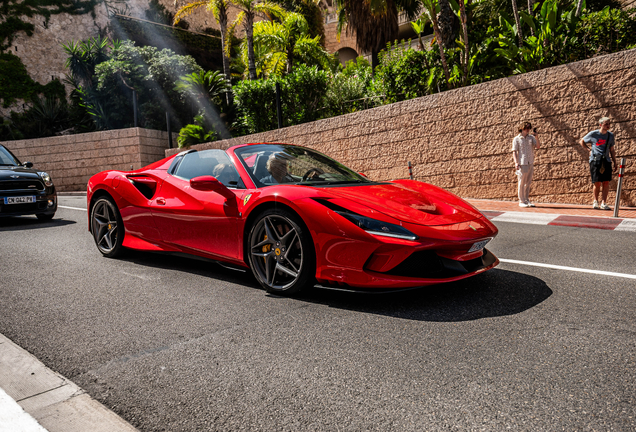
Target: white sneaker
[(595, 205), (605, 206), (523, 205), (530, 204)]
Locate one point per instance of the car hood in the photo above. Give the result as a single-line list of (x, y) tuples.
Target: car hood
[(411, 202), (9, 173)]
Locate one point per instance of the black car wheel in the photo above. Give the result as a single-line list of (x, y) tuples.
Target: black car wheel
[(107, 227), (281, 252)]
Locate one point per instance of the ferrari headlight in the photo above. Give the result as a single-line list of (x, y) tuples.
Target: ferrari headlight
[(376, 227), (46, 178)]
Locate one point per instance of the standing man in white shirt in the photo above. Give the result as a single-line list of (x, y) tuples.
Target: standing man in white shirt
[(523, 146)]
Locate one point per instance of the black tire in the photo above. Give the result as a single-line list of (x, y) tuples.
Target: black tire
[(107, 227), (281, 252), (44, 217)]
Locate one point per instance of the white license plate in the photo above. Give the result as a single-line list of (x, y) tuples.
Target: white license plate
[(19, 200), (478, 246)]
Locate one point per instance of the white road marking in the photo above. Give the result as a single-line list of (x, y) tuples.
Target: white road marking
[(626, 225), (557, 267), (527, 218), (71, 208)]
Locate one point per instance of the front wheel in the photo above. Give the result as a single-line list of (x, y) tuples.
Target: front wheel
[(107, 228), (281, 252)]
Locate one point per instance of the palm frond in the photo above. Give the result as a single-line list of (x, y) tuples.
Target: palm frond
[(187, 10), (230, 30)]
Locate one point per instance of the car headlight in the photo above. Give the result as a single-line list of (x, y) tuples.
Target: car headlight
[(376, 227), (46, 178)]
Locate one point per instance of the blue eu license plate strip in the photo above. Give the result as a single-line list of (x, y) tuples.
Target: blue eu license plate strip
[(19, 200)]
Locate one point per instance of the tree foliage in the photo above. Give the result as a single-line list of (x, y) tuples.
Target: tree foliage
[(303, 94), (105, 88)]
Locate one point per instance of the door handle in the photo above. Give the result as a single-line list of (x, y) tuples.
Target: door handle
[(161, 201)]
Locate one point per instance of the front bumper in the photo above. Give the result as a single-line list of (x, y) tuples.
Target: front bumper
[(422, 268), (42, 204)]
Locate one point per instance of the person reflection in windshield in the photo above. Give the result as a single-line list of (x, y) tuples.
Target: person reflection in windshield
[(277, 167)]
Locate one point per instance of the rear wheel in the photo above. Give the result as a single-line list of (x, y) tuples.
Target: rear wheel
[(107, 227), (281, 252)]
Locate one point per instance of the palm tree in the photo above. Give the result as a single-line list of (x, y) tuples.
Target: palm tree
[(249, 10), (515, 12), (579, 8), (531, 13), (374, 22), (430, 7), (84, 56), (219, 10), (202, 85), (283, 42), (464, 19), (310, 10), (445, 20)]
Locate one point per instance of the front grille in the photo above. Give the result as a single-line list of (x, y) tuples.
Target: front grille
[(418, 264), (23, 208), (427, 264), (13, 185)]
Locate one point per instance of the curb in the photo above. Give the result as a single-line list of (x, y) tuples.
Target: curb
[(55, 402), (606, 223), (71, 194)]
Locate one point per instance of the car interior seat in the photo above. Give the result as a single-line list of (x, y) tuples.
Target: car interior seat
[(260, 165)]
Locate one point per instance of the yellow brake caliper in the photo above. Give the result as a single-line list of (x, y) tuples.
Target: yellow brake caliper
[(266, 248)]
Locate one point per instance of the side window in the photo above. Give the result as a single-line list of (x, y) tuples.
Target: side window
[(210, 162)]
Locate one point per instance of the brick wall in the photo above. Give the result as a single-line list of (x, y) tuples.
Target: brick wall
[(461, 139), (71, 160)]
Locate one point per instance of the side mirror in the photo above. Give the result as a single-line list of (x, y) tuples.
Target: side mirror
[(28, 164), (362, 174), (209, 183)]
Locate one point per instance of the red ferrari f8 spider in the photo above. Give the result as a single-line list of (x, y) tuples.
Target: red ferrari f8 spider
[(294, 216)]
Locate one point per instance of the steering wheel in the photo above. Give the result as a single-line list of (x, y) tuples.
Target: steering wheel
[(312, 171)]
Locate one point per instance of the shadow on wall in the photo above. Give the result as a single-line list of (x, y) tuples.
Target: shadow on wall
[(596, 89), (612, 111), (550, 114)]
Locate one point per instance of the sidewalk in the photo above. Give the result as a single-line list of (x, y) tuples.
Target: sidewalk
[(33, 398), (575, 215)]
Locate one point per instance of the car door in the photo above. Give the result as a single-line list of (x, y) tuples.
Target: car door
[(204, 221)]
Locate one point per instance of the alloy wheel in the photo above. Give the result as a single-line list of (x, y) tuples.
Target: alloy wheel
[(105, 227), (276, 252)]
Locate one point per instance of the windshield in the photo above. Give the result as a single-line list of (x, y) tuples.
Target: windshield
[(6, 158), (271, 164)]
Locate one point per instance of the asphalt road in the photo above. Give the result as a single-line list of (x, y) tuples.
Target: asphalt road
[(172, 344)]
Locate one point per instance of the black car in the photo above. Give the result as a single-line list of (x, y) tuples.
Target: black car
[(24, 190)]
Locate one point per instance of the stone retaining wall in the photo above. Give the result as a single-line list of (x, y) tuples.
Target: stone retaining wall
[(461, 139), (71, 160)]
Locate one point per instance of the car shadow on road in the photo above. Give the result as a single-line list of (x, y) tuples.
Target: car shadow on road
[(491, 294), (20, 223), (190, 264)]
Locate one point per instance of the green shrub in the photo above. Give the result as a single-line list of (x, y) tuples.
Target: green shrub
[(195, 134), (15, 82), (302, 99), (403, 73), (604, 32)]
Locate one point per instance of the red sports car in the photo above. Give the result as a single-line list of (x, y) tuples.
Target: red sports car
[(292, 215)]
